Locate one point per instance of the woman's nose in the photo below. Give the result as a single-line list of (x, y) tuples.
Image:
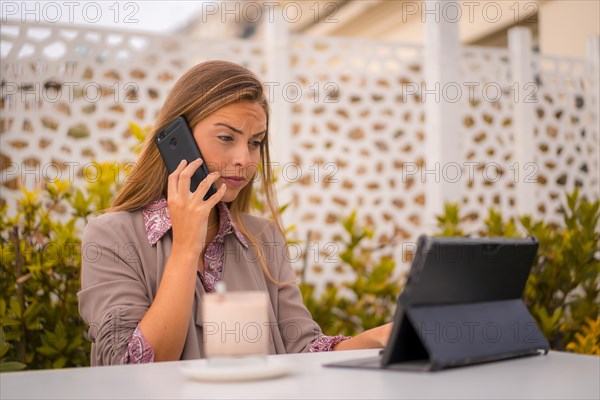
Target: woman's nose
[(241, 155)]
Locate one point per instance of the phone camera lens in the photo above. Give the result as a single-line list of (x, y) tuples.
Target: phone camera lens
[(173, 143)]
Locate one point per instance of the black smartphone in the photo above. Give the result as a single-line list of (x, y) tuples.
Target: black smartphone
[(175, 143)]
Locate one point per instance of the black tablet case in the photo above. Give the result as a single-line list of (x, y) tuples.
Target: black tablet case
[(462, 305)]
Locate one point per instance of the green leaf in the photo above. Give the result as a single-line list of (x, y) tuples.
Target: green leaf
[(81, 204), (7, 321), (4, 349), (32, 313), (59, 362), (137, 132), (4, 346), (47, 351), (10, 366), (15, 308), (2, 307)]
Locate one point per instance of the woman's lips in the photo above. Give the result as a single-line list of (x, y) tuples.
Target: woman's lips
[(233, 181)]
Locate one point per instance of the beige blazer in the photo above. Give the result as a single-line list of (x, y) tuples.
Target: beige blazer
[(121, 272)]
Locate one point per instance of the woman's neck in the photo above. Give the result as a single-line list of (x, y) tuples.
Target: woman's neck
[(213, 217), (211, 231), (213, 225)]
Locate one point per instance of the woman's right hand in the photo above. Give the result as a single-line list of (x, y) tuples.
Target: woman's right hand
[(188, 211), (165, 324)]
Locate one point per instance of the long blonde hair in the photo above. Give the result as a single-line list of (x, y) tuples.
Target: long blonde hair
[(202, 90)]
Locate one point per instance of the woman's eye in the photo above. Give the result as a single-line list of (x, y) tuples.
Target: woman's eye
[(225, 138), (256, 143)]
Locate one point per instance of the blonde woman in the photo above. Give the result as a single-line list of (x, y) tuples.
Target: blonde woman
[(149, 260)]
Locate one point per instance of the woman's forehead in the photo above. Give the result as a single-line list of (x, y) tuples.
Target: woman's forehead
[(244, 113)]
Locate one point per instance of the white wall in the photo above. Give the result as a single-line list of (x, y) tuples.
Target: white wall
[(566, 24)]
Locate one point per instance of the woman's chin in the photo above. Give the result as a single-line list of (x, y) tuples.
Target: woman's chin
[(230, 195)]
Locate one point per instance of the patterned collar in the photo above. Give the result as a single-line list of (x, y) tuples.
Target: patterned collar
[(158, 222)]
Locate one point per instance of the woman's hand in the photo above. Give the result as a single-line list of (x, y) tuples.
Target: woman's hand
[(373, 338), (188, 211), (381, 334), (165, 323)]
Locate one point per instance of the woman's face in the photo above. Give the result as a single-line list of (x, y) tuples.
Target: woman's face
[(230, 141)]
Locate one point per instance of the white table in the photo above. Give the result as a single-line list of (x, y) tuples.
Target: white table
[(555, 376)]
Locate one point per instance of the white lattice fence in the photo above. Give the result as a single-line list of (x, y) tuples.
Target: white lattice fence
[(356, 134), (353, 139), (566, 131), (487, 108), (72, 91)]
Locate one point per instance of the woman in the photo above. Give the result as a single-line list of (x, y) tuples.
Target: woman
[(149, 260)]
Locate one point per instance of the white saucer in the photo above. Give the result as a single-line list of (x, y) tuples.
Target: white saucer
[(235, 370)]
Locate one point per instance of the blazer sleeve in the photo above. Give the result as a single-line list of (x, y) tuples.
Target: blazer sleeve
[(113, 297), (296, 325)]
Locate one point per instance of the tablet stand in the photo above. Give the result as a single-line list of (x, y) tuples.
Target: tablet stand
[(461, 334)]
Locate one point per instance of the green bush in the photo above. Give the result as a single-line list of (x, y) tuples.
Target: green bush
[(365, 302), (562, 292), (40, 265)]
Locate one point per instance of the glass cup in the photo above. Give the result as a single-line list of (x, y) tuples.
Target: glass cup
[(236, 325)]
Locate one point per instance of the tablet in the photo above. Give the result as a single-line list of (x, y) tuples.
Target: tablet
[(462, 305)]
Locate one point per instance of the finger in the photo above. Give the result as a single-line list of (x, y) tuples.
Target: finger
[(205, 184), (186, 175), (174, 178), (215, 198)]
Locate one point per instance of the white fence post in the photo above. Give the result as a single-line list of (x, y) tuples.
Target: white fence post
[(593, 57), (519, 44), (443, 133), (593, 107), (278, 81)]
